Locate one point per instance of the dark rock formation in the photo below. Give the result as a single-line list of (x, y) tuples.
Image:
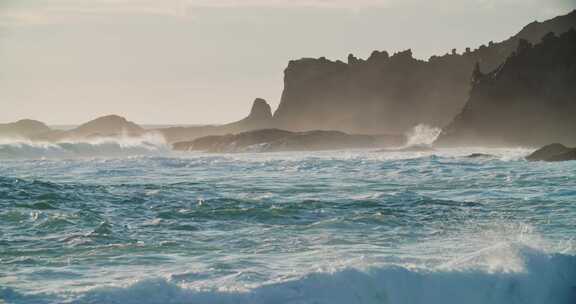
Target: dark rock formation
[(232, 142), (260, 117), (25, 128), (111, 125), (260, 111), (480, 155), (391, 94), (274, 140), (553, 152), (530, 100), (106, 126)]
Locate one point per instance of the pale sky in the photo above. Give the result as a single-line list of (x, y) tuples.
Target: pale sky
[(204, 61)]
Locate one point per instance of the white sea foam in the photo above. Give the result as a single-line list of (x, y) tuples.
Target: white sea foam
[(422, 135), (543, 278), (11, 148)]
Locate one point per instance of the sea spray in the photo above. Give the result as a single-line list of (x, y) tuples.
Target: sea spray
[(422, 135), (545, 279), (19, 148)]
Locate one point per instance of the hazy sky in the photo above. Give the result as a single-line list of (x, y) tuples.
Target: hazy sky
[(204, 61)]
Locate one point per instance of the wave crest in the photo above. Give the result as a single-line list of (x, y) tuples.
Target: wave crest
[(546, 278), (149, 144)]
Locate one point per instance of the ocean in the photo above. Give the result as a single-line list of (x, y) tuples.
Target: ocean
[(129, 221)]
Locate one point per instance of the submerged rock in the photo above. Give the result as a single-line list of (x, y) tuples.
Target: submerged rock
[(480, 155), (553, 152)]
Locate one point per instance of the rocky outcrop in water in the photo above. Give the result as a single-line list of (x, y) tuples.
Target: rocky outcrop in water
[(105, 126), (260, 112), (260, 117), (480, 155), (530, 100), (26, 128), (275, 140), (552, 153), (110, 125), (391, 93)]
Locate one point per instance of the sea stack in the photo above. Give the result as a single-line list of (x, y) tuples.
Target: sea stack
[(260, 111)]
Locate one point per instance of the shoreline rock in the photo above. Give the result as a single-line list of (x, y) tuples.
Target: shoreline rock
[(26, 128), (553, 153), (276, 140)]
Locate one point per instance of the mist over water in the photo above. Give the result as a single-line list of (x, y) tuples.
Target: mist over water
[(325, 227)]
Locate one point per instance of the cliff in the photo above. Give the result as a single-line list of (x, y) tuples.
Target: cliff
[(391, 94), (530, 100), (260, 117)]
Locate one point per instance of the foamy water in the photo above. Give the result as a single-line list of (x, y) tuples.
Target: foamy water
[(139, 224), (19, 148)]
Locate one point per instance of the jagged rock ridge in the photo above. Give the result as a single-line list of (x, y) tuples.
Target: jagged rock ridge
[(391, 94), (529, 100)]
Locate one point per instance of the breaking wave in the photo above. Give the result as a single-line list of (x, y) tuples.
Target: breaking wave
[(544, 278), (151, 144)]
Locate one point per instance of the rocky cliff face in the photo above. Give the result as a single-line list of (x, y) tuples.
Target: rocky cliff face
[(391, 94), (529, 100)]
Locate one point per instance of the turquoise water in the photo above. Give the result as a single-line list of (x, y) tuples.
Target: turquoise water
[(132, 222)]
